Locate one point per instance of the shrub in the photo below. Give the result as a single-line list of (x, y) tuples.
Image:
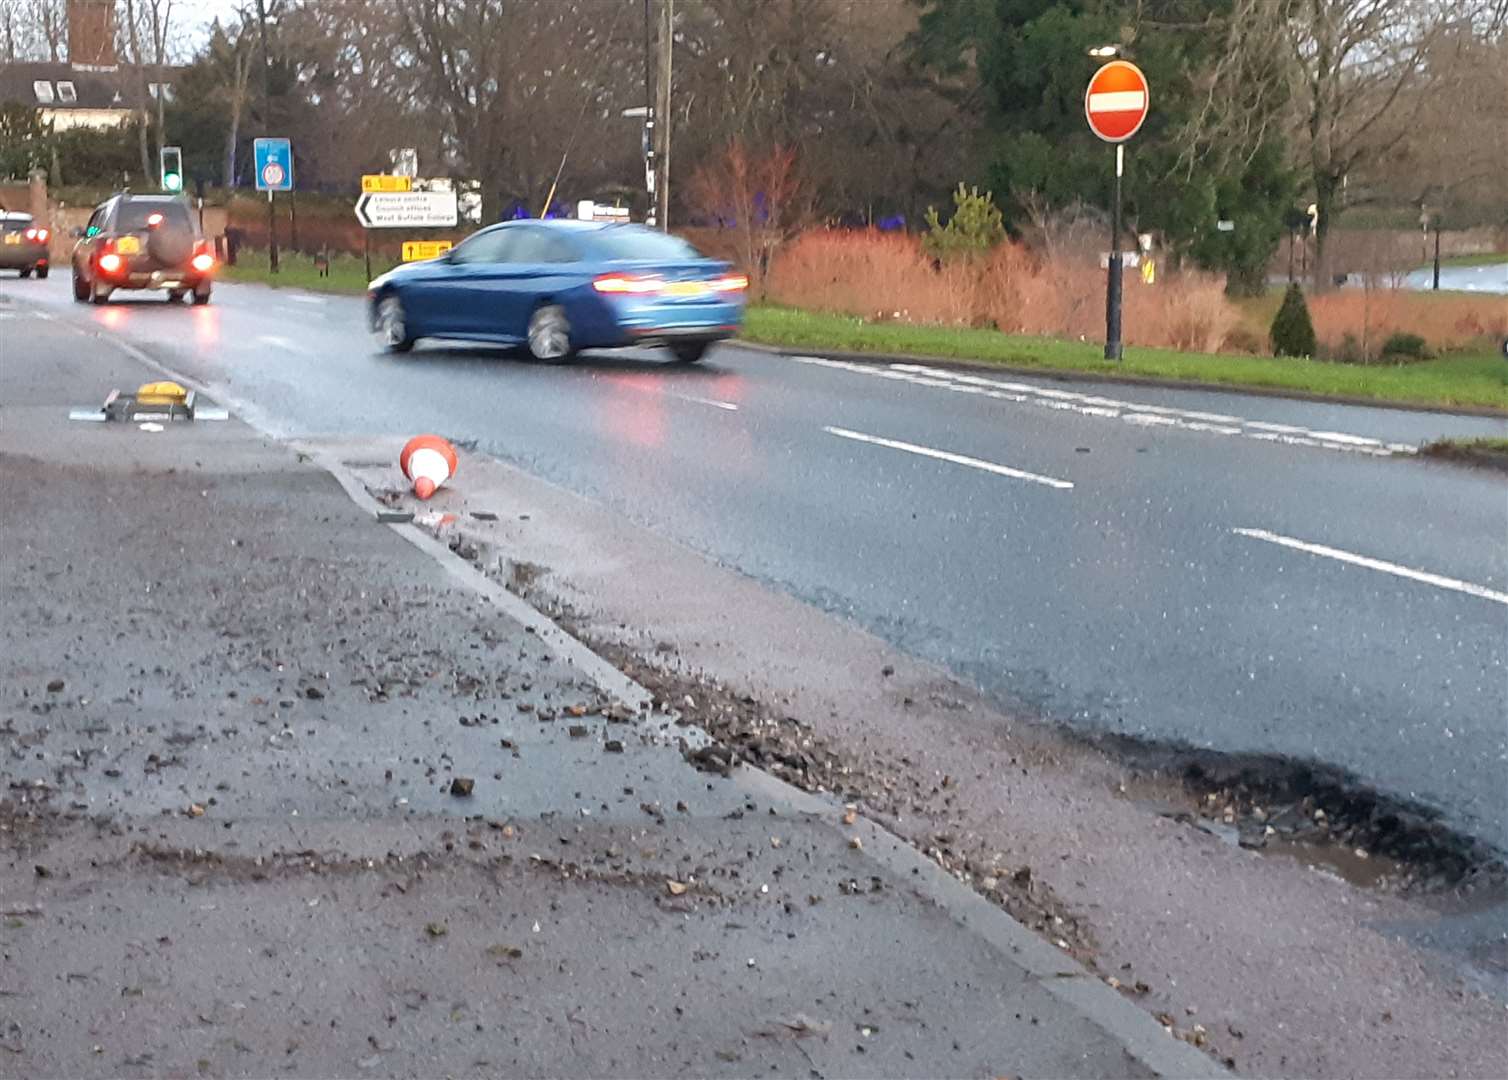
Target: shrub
[(1292, 332), (976, 226), (1242, 340), (1403, 346)]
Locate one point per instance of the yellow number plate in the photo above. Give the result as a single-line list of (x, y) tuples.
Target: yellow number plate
[(686, 288), (128, 245), (12, 238)]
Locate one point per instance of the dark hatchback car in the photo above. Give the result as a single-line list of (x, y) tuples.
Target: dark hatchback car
[(556, 287), (23, 244), (142, 242)]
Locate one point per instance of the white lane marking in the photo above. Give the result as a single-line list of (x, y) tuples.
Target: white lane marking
[(728, 405), (1131, 412), (296, 298), (956, 459), (1376, 564), (282, 343)]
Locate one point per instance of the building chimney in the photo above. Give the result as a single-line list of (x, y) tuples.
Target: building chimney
[(91, 33)]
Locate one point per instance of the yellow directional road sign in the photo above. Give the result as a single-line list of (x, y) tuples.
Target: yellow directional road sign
[(414, 250), (384, 182)]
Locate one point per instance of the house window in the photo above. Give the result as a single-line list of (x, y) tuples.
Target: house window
[(67, 94), (43, 89)]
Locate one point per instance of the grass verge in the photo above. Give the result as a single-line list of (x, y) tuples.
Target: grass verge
[(1480, 258), (1474, 379), (347, 275), (1489, 452)]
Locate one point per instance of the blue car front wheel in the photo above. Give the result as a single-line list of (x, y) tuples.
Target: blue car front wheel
[(550, 334)]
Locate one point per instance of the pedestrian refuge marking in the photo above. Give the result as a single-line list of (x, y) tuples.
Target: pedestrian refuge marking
[(948, 456), (1437, 580), (1130, 412)]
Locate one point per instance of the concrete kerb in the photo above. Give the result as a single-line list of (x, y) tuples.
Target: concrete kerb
[(1144, 1040)]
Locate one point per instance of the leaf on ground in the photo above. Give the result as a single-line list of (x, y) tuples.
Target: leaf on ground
[(675, 888), (504, 952), (436, 929)]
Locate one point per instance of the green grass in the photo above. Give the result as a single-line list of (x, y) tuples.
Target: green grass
[(347, 273), (1480, 258), (1488, 451), (1477, 379)]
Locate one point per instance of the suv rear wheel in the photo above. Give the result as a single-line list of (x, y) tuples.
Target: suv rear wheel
[(201, 295), (42, 272), (80, 287)]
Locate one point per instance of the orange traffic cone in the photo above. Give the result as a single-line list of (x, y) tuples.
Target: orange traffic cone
[(428, 461)]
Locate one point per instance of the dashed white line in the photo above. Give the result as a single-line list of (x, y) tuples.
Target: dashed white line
[(948, 456), (1437, 580), (297, 299), (726, 405)]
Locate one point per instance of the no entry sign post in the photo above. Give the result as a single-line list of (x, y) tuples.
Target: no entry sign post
[(1115, 105)]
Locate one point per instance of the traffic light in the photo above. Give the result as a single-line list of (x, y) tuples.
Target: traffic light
[(171, 160)]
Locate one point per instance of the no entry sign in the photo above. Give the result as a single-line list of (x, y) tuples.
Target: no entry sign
[(1116, 101)]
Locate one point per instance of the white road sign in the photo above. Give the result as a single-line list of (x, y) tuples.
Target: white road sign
[(407, 209)]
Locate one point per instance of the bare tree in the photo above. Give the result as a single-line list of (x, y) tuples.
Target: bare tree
[(1353, 67), (762, 196)]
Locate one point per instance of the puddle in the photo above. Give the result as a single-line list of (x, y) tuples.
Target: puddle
[(1354, 865)]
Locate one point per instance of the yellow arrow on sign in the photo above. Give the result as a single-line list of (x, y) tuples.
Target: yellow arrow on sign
[(384, 182), (414, 250)]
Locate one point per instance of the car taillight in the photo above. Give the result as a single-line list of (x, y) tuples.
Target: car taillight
[(204, 259), (37, 236), (731, 283), (110, 262), (628, 283), (154, 220)]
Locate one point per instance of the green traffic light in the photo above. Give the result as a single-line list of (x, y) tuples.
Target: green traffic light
[(173, 182)]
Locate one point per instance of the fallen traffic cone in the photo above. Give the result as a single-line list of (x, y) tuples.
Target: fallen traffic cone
[(428, 461)]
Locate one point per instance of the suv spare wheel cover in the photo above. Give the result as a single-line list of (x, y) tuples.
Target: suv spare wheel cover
[(170, 243)]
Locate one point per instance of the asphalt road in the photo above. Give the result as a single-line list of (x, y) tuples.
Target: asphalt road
[(1224, 570)]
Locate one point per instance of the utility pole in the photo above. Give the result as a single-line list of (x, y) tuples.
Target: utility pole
[(662, 117), (647, 142), (272, 221)]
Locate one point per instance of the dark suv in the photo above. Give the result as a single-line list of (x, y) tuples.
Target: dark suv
[(142, 242)]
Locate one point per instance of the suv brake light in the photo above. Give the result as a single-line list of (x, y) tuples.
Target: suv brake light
[(38, 236), (110, 262), (154, 220), (204, 258), (639, 284)]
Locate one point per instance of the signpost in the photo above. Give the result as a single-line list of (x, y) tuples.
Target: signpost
[(1115, 105), (273, 165), (407, 210), (414, 250)]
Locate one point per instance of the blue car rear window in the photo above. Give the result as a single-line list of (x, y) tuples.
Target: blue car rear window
[(636, 242)]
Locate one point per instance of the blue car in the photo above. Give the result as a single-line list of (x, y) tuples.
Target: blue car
[(556, 287)]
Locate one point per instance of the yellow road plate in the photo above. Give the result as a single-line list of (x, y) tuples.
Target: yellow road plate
[(384, 182), (128, 245), (686, 288), (425, 249)]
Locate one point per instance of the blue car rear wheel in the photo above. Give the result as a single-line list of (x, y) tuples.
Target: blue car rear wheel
[(550, 334)]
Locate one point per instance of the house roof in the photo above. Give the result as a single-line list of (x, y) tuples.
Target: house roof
[(63, 86)]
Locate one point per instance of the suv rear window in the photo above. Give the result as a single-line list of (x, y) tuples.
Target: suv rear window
[(134, 215)]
